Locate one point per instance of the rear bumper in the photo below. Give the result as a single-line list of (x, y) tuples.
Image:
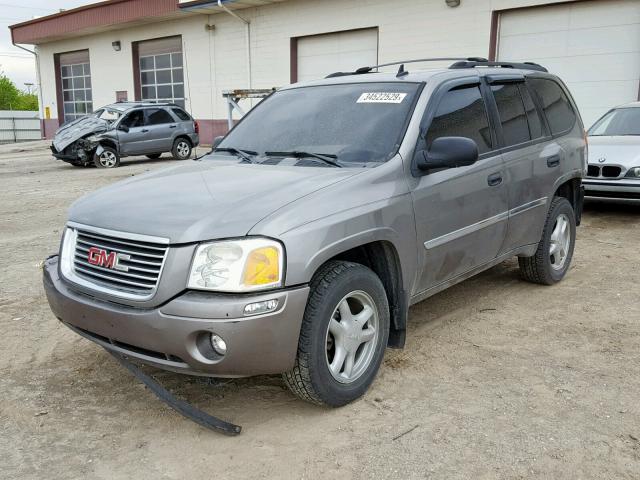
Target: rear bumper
[(175, 335), (612, 188)]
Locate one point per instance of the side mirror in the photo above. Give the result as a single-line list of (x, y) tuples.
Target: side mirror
[(217, 140), (448, 152), (123, 128)]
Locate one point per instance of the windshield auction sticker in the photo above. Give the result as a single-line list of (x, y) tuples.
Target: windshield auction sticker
[(381, 97)]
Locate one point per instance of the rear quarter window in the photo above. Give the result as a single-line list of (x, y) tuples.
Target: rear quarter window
[(555, 104), (181, 114)]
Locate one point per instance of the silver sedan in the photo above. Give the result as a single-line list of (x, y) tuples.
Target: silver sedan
[(614, 154)]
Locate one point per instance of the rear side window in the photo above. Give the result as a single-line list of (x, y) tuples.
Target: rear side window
[(512, 115), (462, 113), (555, 104), (181, 114), (533, 117), (157, 116)]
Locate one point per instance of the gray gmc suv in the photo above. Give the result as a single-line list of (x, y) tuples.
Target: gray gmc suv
[(297, 245)]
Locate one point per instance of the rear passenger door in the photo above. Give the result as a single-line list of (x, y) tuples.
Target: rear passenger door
[(525, 150), (160, 126), (533, 158), (461, 213)]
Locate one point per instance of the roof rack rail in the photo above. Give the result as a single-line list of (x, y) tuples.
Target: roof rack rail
[(470, 63), (363, 70)]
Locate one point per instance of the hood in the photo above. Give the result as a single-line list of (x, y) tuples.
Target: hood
[(70, 132), (622, 150), (202, 201)]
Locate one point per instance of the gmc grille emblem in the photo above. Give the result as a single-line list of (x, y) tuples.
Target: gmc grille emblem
[(103, 258)]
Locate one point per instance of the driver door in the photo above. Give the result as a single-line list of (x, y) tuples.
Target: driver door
[(461, 213), (133, 140)]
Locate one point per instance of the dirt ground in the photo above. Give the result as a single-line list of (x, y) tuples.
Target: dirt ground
[(499, 379)]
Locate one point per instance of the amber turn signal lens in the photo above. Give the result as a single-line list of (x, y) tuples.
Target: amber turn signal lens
[(262, 267)]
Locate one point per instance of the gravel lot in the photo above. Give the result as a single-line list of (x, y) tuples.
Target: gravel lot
[(499, 379)]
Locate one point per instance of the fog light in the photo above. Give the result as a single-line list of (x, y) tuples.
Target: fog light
[(261, 307), (218, 344)]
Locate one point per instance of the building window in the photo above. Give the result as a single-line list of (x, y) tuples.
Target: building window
[(161, 71), (75, 84)]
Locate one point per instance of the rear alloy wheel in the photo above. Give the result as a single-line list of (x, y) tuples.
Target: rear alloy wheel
[(181, 149), (343, 336), (555, 250), (108, 158)]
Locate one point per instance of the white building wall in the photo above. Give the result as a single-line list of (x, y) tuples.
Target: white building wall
[(216, 59)]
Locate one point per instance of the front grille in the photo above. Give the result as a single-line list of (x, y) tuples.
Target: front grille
[(139, 262), (593, 171), (611, 172)]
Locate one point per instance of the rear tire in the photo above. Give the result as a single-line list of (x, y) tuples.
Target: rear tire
[(108, 158), (344, 333), (181, 149), (153, 156), (555, 250)]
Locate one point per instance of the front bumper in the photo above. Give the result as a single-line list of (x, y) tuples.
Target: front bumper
[(173, 336), (621, 188)]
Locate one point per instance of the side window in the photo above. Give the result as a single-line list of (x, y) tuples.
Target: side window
[(555, 104), (462, 113), (158, 116), (533, 117), (512, 115), (181, 114), (134, 119)]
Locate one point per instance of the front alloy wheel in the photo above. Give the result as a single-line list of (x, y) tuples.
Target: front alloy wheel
[(343, 335), (351, 336), (108, 158)]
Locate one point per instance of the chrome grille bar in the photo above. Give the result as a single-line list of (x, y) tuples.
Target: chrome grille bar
[(121, 264)]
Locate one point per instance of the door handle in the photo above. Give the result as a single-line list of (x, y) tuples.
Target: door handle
[(173, 126), (553, 161), (494, 179), (144, 130)]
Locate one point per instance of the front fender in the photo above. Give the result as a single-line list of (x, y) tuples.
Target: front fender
[(311, 245)]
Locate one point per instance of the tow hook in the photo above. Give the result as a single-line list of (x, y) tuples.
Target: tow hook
[(182, 407)]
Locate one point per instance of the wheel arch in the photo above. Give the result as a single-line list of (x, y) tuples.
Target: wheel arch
[(383, 258), (107, 142), (571, 189)]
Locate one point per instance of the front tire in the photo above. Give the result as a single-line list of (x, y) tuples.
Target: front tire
[(343, 336), (555, 250), (108, 158), (181, 149)]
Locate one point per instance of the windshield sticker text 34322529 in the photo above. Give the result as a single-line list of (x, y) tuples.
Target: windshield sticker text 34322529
[(381, 97)]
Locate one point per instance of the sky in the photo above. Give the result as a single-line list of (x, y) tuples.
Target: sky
[(17, 64)]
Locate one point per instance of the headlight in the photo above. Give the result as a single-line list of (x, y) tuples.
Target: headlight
[(237, 265), (633, 172)]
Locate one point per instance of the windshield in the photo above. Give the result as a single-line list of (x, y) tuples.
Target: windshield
[(622, 121), (362, 122), (108, 114)]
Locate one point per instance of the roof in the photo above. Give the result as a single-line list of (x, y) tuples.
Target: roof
[(417, 75), (123, 106), (114, 14)]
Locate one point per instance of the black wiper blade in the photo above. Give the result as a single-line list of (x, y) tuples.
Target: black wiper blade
[(244, 154), (325, 157)]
